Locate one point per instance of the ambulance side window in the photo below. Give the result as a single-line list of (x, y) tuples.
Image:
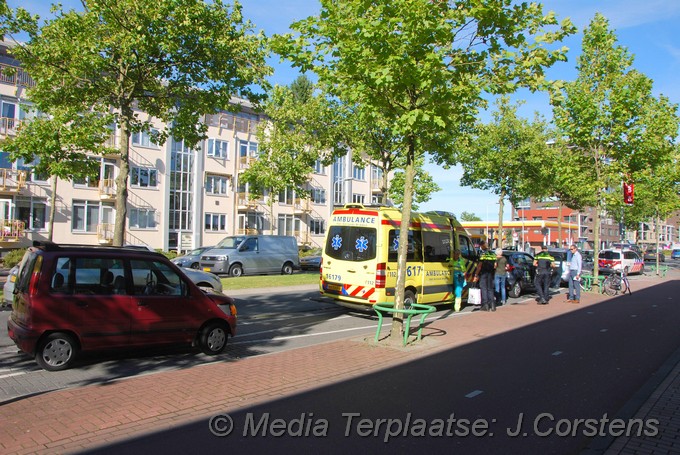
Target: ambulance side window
[(437, 246), (415, 246), (466, 248)]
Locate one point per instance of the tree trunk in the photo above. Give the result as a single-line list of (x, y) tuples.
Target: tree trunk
[(559, 224), (596, 240), (501, 199), (53, 209), (121, 181), (396, 333)]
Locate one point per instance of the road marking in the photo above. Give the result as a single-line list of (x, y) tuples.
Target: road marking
[(633, 315), (474, 394), (556, 353), (603, 330), (13, 374)]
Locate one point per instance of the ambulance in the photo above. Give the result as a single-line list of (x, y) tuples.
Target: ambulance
[(359, 260)]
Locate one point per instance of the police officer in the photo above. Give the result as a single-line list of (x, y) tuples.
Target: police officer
[(544, 264), (485, 273)]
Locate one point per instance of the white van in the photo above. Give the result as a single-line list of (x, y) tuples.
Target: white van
[(252, 255)]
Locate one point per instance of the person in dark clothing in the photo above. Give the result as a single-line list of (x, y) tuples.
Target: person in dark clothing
[(544, 264), (485, 273)]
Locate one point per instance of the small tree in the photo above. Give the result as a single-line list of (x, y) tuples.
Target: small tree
[(423, 66)]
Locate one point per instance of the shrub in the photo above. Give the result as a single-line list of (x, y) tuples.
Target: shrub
[(13, 257)]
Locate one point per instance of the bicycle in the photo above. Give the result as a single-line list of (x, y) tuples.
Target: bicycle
[(617, 281)]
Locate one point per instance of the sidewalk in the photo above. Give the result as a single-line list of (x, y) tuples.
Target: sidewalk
[(77, 419)]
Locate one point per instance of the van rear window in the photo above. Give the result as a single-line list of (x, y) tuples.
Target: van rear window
[(351, 243)]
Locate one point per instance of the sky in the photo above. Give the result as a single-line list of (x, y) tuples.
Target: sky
[(646, 28)]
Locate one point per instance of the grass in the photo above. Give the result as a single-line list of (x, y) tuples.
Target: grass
[(270, 281)]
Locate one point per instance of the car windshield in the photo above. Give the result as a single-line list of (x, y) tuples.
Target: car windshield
[(230, 243)]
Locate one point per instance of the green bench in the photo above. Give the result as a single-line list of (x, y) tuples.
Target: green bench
[(661, 270)]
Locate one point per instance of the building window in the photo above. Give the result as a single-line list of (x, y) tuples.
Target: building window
[(144, 139), (218, 148), (247, 149), (217, 184), (33, 212), (359, 172), (215, 222), (358, 198), (288, 225), (143, 177), (318, 195), (317, 226), (286, 196), (142, 218), (85, 216), (376, 199), (319, 168)]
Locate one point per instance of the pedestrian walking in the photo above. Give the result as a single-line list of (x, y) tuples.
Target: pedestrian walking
[(485, 273), (500, 278), (575, 265), (459, 265), (544, 264)]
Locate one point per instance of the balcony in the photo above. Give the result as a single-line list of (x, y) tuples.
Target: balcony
[(11, 231), (107, 190), (11, 181), (303, 238), (375, 186), (248, 231), (13, 75), (245, 161), (302, 206), (105, 234), (246, 202), (9, 126)]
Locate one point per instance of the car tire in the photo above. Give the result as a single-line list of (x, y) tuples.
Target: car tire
[(515, 289), (287, 269), (213, 338), (195, 266), (56, 352), (409, 298), (236, 271)]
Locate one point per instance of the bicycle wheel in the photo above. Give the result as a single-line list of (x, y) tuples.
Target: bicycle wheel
[(625, 286), (609, 287)]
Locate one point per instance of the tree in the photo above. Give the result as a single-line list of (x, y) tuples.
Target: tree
[(302, 126), (507, 157), (59, 146), (605, 118), (422, 66), (423, 185), (467, 216), (174, 60)]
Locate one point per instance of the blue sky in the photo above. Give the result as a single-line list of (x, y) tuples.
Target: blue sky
[(646, 28)]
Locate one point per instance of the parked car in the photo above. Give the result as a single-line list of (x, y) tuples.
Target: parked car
[(675, 254), (69, 299), (8, 288), (561, 256), (204, 280), (652, 255), (192, 258), (310, 263), (252, 255), (521, 272), (616, 259)]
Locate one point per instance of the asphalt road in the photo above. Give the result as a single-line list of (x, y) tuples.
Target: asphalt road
[(531, 386)]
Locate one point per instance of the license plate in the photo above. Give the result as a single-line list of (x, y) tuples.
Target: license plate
[(12, 278), (206, 269), (334, 287)]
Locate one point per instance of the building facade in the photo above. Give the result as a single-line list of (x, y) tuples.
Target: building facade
[(179, 198)]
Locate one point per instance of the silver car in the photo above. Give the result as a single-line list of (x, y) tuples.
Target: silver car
[(192, 258), (203, 279), (8, 289)]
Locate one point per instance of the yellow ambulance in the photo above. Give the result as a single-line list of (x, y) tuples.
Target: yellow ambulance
[(359, 260)]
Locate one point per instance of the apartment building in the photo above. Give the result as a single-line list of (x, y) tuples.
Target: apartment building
[(179, 198)]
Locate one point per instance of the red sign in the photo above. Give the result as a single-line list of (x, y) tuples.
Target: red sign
[(628, 193)]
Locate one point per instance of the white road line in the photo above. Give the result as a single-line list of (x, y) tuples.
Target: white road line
[(474, 394), (556, 353), (13, 374), (603, 330)]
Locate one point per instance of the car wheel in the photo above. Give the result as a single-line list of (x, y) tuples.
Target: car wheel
[(515, 289), (409, 298), (195, 265), (287, 269), (56, 352), (213, 338), (236, 270)]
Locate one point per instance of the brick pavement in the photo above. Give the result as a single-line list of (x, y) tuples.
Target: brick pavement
[(75, 419)]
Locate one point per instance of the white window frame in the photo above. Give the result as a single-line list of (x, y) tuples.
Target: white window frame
[(144, 214), (215, 222), (137, 171), (317, 226), (211, 181), (89, 226), (318, 195), (143, 139), (218, 148)]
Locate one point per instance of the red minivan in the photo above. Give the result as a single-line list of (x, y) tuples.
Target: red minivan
[(75, 298)]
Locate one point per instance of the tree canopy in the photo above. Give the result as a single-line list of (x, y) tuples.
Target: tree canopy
[(144, 61)]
